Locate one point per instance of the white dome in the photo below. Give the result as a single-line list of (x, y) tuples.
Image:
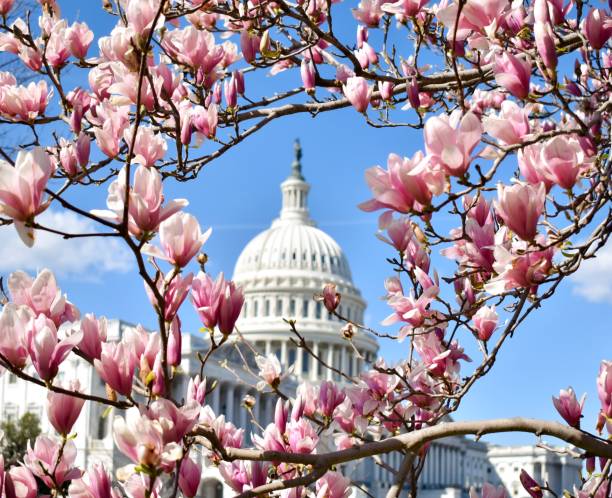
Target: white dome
[(294, 247), (282, 268)]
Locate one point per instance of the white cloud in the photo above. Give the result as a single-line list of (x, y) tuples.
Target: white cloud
[(84, 258), (593, 280)]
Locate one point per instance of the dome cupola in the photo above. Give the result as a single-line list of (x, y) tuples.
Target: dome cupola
[(281, 269)]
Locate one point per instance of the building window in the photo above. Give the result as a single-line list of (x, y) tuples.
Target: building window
[(245, 309), (292, 308), (102, 426), (305, 309), (267, 308), (279, 307), (11, 412), (35, 409), (305, 360), (292, 356), (256, 309), (12, 378), (318, 310)]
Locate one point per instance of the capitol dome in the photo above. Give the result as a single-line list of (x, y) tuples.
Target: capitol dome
[(280, 270)]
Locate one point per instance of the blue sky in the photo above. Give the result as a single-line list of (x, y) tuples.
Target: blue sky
[(238, 195)]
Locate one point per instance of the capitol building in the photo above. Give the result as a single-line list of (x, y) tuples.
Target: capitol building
[(280, 270)]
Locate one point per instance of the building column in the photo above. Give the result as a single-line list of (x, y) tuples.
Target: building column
[(268, 348), (343, 359), (330, 360), (283, 358), (299, 361), (230, 403), (216, 396), (314, 371), (242, 392)]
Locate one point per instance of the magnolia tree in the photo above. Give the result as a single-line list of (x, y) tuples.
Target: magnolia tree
[(514, 103)]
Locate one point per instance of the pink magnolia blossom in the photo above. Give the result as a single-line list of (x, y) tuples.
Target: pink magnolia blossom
[(358, 92), (302, 436), (175, 343), (46, 351), (198, 50), (410, 309), (519, 267), (230, 307), (96, 483), (510, 126), (563, 158), (113, 122), (13, 322), (196, 389), (475, 250), (530, 485), (141, 439), (385, 88), (142, 14), (330, 297), (545, 43), (6, 6), (333, 485), (485, 322), (604, 387), (243, 475), (269, 370), (116, 367), (149, 147), (404, 8), (78, 38), (451, 140), (24, 103), (597, 28), (330, 397), (67, 157), (94, 334), (369, 12), (63, 410), (513, 73), (440, 360), (520, 206), (176, 422), (146, 208), (407, 184), (532, 167), (180, 237), (174, 290), (489, 491), (20, 483), (189, 477), (206, 296), (308, 73), (22, 189), (42, 296), (569, 407), (51, 461)]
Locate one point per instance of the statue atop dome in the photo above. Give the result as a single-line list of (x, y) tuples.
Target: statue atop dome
[(296, 165)]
